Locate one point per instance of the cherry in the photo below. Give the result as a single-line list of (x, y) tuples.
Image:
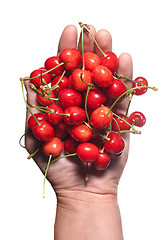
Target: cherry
[(43, 132), (81, 79), (101, 117), (110, 61), (138, 119), (87, 152), (95, 98), (91, 60), (69, 97), (102, 76), (61, 130), (55, 115), (48, 97), (122, 124), (71, 58), (53, 147), (142, 82), (54, 62), (46, 78), (116, 89), (32, 122), (70, 145), (102, 161), (116, 143), (77, 115), (61, 85), (70, 82), (81, 133)]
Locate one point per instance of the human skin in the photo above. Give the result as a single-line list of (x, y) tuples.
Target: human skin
[(85, 210)]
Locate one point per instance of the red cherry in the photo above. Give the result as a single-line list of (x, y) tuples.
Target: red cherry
[(143, 82), (54, 147), (61, 85), (70, 80), (138, 119), (32, 122), (70, 145), (69, 97), (91, 60), (102, 76), (43, 132), (53, 62), (110, 61), (54, 117), (77, 76), (71, 57), (87, 152), (100, 118), (116, 89), (116, 143), (61, 130), (102, 161), (95, 98), (122, 124), (37, 81), (77, 115), (81, 133), (43, 100)]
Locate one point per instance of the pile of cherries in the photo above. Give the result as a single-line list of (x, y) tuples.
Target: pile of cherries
[(78, 94)]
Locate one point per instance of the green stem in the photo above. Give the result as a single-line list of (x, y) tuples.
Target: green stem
[(117, 125), (96, 131), (46, 170), (69, 155), (33, 154), (83, 67), (48, 110), (124, 121), (88, 89), (21, 140), (22, 83)]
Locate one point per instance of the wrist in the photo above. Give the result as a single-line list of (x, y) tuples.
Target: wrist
[(85, 215)]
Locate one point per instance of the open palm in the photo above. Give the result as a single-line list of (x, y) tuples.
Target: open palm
[(67, 174)]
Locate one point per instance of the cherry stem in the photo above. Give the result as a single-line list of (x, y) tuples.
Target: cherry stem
[(87, 29), (26, 79), (22, 84), (96, 131), (89, 84), (121, 76), (130, 90), (46, 170), (83, 67), (33, 154), (124, 121), (130, 98), (87, 176), (56, 84), (88, 89), (117, 125), (68, 155), (21, 140), (129, 131)]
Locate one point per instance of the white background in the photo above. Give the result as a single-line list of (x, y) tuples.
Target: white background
[(30, 32)]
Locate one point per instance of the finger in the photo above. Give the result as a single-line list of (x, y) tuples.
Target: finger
[(104, 40), (125, 68), (88, 42), (68, 38)]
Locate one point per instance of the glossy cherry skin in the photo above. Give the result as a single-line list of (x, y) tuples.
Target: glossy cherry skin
[(43, 100), (37, 81), (32, 122), (143, 82), (116, 143), (91, 60), (71, 57), (102, 76), (61, 130), (110, 61), (116, 89), (54, 147), (122, 125), (54, 118), (138, 119), (81, 133), (102, 161), (77, 115), (61, 85), (77, 76), (70, 145), (95, 98), (87, 152), (69, 97), (44, 132), (100, 118), (53, 62)]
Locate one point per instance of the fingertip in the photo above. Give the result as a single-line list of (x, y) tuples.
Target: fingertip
[(125, 65)]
